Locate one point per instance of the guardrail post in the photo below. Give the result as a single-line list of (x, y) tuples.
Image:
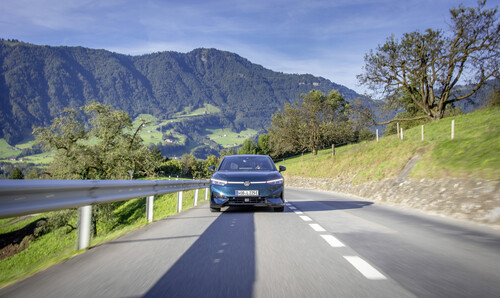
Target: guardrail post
[(85, 216), (149, 208), (206, 193), (195, 198), (179, 201)]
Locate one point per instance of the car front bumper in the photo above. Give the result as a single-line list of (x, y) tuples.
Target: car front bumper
[(269, 196)]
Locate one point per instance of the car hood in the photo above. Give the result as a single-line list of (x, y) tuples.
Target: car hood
[(247, 176)]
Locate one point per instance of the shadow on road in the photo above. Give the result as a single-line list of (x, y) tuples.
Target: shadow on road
[(221, 263)]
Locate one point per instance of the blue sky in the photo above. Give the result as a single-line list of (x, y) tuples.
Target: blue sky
[(323, 38)]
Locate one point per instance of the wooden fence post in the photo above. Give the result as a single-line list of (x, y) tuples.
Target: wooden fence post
[(333, 150), (452, 129)]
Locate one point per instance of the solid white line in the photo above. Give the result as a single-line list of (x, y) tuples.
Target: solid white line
[(366, 269), (298, 212), (317, 228), (334, 242), (305, 218)]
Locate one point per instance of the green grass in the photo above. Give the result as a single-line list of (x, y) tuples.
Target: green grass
[(60, 244), (206, 109), (473, 153), (228, 138), (42, 158), (7, 151)]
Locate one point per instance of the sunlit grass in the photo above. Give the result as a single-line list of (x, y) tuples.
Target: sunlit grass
[(228, 138), (474, 152)]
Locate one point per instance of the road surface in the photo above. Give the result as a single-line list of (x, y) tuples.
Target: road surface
[(323, 245)]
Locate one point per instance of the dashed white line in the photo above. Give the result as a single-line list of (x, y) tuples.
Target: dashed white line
[(305, 218), (334, 242), (361, 265), (317, 228), (366, 269)]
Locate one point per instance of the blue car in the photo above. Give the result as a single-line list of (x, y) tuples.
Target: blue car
[(247, 180)]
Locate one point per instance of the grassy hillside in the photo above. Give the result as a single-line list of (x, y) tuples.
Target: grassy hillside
[(473, 153)]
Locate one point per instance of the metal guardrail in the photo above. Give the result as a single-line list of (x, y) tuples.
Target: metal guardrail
[(23, 197)]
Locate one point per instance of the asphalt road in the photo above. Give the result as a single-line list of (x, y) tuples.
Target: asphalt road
[(323, 245)]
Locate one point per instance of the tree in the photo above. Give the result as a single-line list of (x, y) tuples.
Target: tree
[(263, 144), (423, 68), (16, 174), (32, 174), (317, 120), (248, 147), (104, 147)]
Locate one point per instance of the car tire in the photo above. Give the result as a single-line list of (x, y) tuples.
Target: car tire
[(279, 209), (214, 209)]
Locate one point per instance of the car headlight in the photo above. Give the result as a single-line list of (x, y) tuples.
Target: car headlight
[(218, 182), (275, 181)]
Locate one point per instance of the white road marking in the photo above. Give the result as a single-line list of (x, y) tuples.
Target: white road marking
[(334, 242), (361, 265), (366, 269), (305, 218), (317, 228)]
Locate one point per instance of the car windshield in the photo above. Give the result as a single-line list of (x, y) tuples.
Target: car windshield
[(247, 163)]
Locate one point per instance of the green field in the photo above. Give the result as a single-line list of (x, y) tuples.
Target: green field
[(205, 110), (473, 153), (7, 151), (228, 138)]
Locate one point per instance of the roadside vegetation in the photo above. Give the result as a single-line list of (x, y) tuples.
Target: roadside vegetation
[(473, 153), (54, 236)]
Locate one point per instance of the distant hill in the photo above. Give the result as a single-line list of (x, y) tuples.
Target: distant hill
[(38, 82)]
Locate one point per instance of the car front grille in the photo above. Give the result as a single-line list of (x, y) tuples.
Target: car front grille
[(250, 200)]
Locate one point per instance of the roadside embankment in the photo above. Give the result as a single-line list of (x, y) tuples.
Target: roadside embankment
[(473, 200)]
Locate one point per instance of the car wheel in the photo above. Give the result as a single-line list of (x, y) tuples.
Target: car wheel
[(279, 209), (214, 209)]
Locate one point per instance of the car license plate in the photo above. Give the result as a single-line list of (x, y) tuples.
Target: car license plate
[(247, 193)]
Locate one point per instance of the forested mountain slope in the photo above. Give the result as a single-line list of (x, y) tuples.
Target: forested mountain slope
[(38, 82)]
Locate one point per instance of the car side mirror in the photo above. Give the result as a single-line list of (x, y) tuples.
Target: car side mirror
[(282, 168), (211, 168)]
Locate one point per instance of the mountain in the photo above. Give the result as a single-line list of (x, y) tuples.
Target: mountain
[(38, 82)]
